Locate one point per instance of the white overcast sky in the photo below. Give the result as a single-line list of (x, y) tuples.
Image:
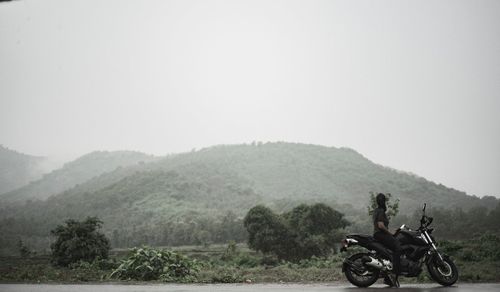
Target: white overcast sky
[(414, 85)]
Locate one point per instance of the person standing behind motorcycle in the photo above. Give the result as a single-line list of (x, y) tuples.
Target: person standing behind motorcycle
[(384, 236)]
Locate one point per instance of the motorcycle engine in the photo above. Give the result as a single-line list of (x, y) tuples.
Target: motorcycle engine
[(411, 267)]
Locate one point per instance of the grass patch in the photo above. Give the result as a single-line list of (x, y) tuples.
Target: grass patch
[(237, 264)]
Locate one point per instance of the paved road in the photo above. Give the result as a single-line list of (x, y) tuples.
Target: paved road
[(241, 288)]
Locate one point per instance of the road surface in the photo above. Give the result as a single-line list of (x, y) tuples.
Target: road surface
[(240, 288)]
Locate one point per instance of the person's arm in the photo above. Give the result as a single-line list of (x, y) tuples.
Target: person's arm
[(379, 221), (382, 227)]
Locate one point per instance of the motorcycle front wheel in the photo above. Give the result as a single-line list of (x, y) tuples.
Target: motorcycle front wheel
[(357, 273), (446, 273)]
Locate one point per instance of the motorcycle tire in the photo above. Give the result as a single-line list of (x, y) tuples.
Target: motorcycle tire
[(365, 279), (447, 275)]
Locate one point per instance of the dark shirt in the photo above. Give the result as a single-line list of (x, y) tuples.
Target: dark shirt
[(379, 216)]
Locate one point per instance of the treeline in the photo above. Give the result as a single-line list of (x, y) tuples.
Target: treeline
[(185, 231), (460, 224), (196, 231), (202, 230)]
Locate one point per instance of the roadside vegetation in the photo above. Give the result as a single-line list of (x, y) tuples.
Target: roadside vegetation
[(81, 253), (233, 263), (303, 232), (201, 197)]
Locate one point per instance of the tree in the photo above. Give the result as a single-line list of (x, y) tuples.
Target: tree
[(315, 228), (392, 209), (79, 241), (266, 231), (305, 231)]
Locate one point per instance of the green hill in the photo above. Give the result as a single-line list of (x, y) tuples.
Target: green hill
[(17, 169), (202, 196), (73, 173)]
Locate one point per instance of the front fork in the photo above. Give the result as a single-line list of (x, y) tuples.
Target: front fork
[(434, 251)]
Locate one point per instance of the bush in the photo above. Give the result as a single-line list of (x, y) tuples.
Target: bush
[(480, 248), (227, 276), (305, 231), (24, 251), (96, 265), (156, 264), (79, 241)]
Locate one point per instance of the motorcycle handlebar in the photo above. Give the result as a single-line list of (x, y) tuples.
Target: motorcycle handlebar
[(425, 221)]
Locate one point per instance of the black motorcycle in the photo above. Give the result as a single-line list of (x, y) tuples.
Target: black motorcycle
[(417, 247)]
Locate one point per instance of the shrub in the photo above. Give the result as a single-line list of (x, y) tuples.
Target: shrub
[(305, 231), (97, 264), (227, 276), (24, 251), (79, 241), (156, 264)]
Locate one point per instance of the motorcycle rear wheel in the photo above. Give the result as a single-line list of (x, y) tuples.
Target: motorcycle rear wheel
[(364, 278), (445, 275)]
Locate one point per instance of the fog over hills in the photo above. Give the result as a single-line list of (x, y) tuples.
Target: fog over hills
[(18, 169), (172, 200), (74, 173), (275, 170)]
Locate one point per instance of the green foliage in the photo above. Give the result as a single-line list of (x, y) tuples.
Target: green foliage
[(96, 264), (392, 208), (201, 197), (458, 224), (318, 262), (79, 241), (303, 232), (23, 249), (227, 275), (315, 229), (147, 263), (235, 264), (231, 250), (73, 173), (232, 256), (267, 232), (481, 248)]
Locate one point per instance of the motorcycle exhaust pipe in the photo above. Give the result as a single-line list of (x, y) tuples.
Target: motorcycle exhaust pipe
[(369, 261)]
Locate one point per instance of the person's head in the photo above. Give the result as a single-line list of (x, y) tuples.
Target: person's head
[(381, 201)]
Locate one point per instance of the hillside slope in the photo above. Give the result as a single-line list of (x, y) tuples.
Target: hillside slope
[(74, 173), (17, 169), (299, 172), (192, 197), (302, 172)]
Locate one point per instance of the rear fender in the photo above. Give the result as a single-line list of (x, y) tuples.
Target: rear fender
[(347, 242)]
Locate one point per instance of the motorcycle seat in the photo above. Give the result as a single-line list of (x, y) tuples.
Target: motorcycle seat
[(380, 248), (362, 237), (369, 242)]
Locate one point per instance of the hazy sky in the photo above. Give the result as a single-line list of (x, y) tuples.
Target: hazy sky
[(414, 85)]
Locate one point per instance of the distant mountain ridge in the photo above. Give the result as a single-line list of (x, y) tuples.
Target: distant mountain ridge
[(183, 198), (18, 169), (274, 170), (74, 173)]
